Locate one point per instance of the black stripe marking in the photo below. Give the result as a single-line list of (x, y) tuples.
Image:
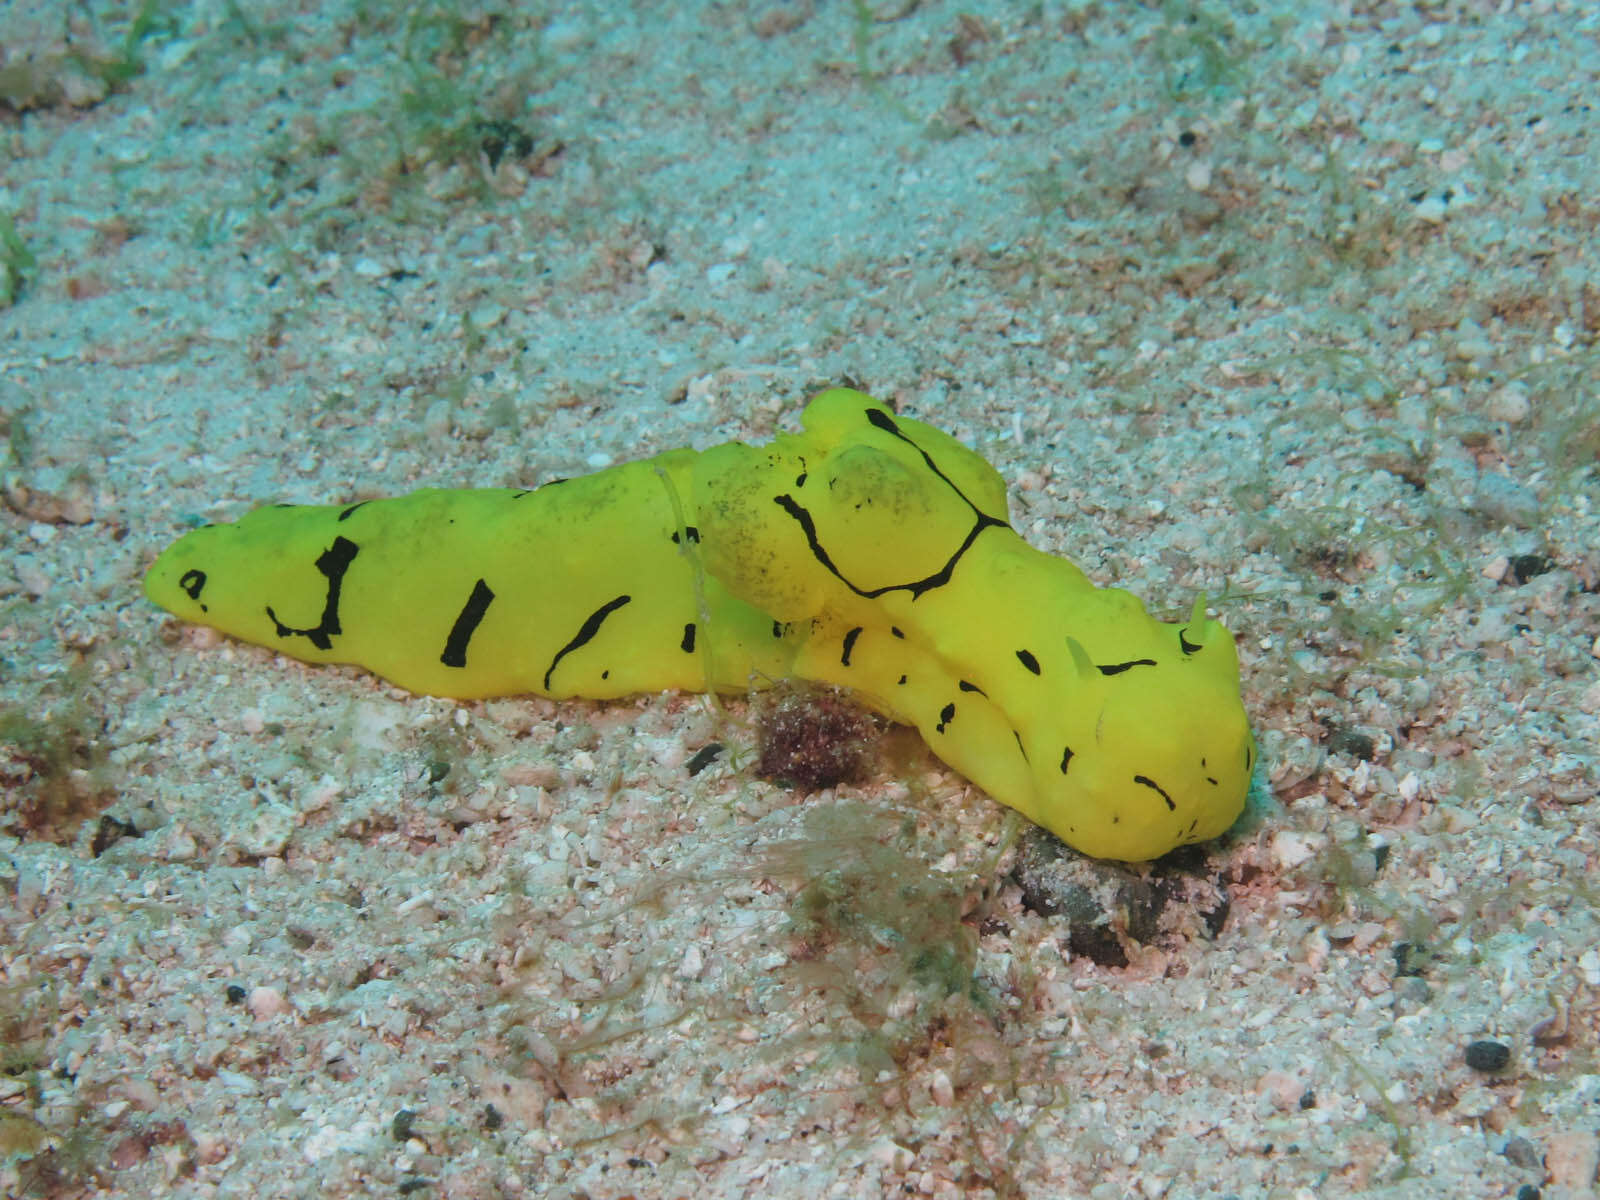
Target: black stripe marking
[(350, 512), (194, 582), (1119, 668), (1186, 645), (982, 520), (687, 645), (1028, 660), (971, 687), (1066, 757), (689, 531), (849, 645), (455, 646), (946, 715), (1156, 787), (916, 587), (585, 634), (332, 563)]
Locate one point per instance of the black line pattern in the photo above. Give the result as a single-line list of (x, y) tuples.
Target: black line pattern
[(466, 624), (332, 563), (849, 645), (981, 521), (585, 634), (1146, 781), (1119, 668), (193, 582)]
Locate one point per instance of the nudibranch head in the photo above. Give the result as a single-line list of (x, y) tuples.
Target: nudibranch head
[(1157, 753)]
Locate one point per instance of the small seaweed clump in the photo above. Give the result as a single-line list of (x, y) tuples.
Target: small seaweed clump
[(891, 1005), (815, 737), (51, 771)]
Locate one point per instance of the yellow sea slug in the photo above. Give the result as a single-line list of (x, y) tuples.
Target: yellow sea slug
[(870, 551)]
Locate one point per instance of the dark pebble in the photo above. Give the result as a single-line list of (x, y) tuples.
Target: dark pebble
[(1343, 740), (1520, 1152), (1485, 1055), (109, 832), (704, 757), (400, 1128), (1524, 567)]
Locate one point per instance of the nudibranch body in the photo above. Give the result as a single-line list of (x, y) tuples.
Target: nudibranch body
[(870, 551)]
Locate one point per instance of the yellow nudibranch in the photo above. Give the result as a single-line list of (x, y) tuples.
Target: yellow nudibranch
[(870, 551)]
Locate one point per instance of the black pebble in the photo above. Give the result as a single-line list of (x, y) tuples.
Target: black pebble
[(1524, 567), (1519, 1151), (1485, 1055), (400, 1128), (235, 994), (1528, 1192), (109, 832), (1344, 740), (704, 757)]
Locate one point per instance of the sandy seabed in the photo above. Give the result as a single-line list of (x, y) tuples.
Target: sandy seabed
[(1296, 304)]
